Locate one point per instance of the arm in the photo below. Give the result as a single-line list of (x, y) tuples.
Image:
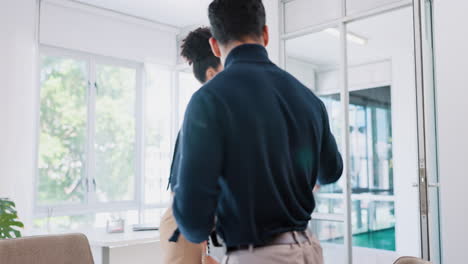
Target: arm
[(331, 163), (200, 166)]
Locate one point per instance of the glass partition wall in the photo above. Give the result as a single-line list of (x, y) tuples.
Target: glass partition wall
[(363, 65)]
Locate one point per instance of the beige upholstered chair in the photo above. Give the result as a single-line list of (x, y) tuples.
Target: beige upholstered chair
[(60, 249), (411, 260)]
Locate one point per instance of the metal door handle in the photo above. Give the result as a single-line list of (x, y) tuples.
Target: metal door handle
[(430, 185), (94, 184)]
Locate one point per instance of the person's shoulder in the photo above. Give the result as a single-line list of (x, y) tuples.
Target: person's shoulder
[(222, 82), (298, 84), (219, 79), (206, 95)]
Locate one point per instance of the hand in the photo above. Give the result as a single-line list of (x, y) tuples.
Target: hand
[(211, 260), (207, 259), (316, 188)]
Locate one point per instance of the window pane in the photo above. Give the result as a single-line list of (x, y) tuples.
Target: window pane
[(62, 142), (354, 6), (84, 222), (303, 13), (374, 224), (331, 236), (383, 137), (115, 133), (188, 85), (158, 140)]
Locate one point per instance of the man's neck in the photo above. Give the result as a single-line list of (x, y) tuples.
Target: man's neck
[(226, 50)]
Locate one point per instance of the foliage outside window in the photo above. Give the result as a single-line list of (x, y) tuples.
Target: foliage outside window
[(92, 151)]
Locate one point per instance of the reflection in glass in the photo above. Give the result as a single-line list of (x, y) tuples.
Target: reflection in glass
[(63, 122), (370, 167), (328, 231), (115, 133), (371, 141), (383, 136)]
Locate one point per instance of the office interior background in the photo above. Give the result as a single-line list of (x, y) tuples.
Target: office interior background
[(93, 93)]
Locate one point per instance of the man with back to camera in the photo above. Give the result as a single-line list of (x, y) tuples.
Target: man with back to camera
[(253, 145), (197, 52)]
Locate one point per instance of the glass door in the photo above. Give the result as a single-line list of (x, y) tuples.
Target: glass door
[(383, 137)]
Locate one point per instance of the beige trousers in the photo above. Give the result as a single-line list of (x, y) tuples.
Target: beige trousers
[(182, 252), (308, 252)]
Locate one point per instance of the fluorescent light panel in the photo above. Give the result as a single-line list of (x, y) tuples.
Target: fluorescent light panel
[(350, 36)]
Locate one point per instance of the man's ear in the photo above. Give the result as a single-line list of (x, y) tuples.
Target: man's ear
[(215, 47), (266, 35), (210, 73)]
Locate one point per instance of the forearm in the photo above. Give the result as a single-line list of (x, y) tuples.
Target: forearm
[(194, 217)]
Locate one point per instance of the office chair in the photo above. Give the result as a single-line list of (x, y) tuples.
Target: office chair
[(410, 260), (60, 249)]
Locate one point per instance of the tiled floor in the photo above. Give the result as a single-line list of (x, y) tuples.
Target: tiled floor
[(382, 239)]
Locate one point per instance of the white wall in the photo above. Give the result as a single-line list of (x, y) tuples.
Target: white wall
[(272, 16), (79, 27), (303, 13), (18, 95), (451, 42)]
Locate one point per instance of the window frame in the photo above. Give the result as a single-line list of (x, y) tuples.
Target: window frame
[(90, 204)]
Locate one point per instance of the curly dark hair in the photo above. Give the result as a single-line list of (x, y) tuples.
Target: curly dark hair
[(196, 50), (236, 19)]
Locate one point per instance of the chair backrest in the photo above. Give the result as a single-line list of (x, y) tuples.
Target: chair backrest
[(63, 249), (411, 260)]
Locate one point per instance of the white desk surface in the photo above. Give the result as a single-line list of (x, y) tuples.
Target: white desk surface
[(100, 238)]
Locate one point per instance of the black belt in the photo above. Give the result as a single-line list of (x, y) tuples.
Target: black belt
[(243, 247), (281, 239)]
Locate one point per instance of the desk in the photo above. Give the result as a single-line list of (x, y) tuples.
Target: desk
[(129, 247)]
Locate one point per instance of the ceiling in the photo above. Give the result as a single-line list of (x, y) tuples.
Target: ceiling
[(387, 35), (179, 13)]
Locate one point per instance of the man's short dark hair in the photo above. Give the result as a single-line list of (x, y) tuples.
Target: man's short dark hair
[(196, 50), (236, 19)]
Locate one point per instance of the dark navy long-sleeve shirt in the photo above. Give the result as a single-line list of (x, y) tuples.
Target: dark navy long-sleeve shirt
[(253, 144)]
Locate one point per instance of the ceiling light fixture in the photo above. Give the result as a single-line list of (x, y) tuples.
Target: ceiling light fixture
[(351, 36)]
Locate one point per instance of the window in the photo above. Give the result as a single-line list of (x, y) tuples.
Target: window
[(114, 134), (371, 166), (63, 131), (158, 135), (188, 85), (105, 141)]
